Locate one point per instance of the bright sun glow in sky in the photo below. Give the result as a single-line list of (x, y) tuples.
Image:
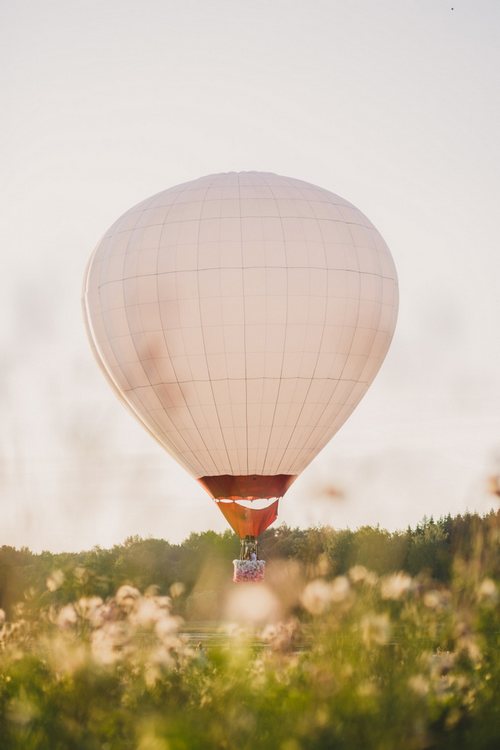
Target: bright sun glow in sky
[(392, 104)]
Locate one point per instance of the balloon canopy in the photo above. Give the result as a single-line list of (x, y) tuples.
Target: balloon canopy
[(241, 317)]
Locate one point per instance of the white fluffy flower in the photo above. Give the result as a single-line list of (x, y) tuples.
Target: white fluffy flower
[(316, 596), (55, 580), (376, 629), (395, 586)]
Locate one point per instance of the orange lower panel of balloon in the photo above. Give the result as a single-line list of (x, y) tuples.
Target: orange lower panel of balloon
[(248, 521), (247, 487)]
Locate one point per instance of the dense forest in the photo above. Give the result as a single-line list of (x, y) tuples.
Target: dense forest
[(202, 563)]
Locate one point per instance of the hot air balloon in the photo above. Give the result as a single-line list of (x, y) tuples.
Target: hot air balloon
[(241, 317)]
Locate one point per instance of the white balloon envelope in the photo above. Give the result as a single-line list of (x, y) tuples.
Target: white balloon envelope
[(241, 317)]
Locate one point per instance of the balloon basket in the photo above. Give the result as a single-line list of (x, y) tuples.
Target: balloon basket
[(248, 571)]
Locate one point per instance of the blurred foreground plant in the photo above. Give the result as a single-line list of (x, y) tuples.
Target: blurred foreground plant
[(357, 661)]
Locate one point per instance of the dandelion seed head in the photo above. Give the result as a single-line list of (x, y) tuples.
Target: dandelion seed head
[(419, 684), (177, 589), (21, 710), (316, 596), (108, 642), (269, 632), (80, 573), (432, 599), (252, 603), (340, 589), (323, 565), (166, 626), (358, 573), (66, 616), (66, 655), (469, 646), (441, 662), (146, 613), (280, 636), (164, 602), (55, 580), (396, 586), (127, 596), (91, 608), (375, 629), (286, 580), (488, 591), (162, 655), (152, 675)]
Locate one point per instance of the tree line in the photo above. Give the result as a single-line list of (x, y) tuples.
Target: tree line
[(202, 562)]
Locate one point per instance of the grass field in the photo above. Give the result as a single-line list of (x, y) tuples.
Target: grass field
[(351, 661)]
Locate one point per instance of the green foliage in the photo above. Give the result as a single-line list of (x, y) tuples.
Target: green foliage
[(356, 659), (202, 561)]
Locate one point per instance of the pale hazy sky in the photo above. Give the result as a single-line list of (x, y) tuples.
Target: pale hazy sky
[(394, 105)]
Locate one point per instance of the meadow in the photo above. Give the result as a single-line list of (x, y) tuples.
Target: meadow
[(149, 646)]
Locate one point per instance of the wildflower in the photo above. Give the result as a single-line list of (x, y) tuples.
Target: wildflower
[(55, 580), (66, 616), (164, 602), (66, 655), (152, 675), (252, 604), (316, 596), (375, 629), (319, 594), (166, 626), (127, 596), (177, 589), (358, 573), (323, 565), (80, 574), (21, 710), (432, 599), (108, 642), (162, 656), (339, 589), (441, 662), (269, 633), (468, 645), (487, 591), (396, 586), (371, 579), (280, 637), (91, 609), (146, 613), (419, 684)]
